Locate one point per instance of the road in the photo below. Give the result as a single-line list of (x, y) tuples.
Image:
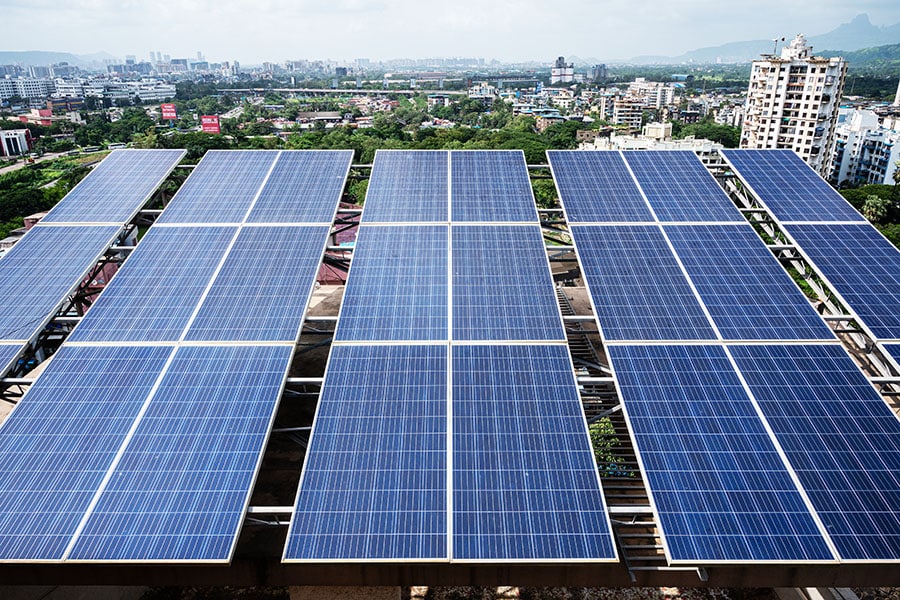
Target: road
[(22, 163)]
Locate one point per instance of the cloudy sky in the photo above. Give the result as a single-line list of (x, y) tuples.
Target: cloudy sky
[(255, 30)]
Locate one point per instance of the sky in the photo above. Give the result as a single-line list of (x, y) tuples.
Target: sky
[(252, 31)]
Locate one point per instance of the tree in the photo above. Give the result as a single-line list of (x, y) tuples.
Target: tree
[(877, 209)]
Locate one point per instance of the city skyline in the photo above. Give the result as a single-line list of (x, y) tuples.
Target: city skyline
[(274, 30)]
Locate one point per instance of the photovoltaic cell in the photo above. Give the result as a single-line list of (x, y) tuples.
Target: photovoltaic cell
[(304, 187), (61, 439), (502, 289), (408, 186), (263, 288), (893, 350), (116, 188), (374, 485), (44, 266), (596, 187), (841, 438), (638, 287), (860, 265), (789, 188), (397, 288), (221, 188), (181, 488), (748, 294), (721, 490), (156, 291), (525, 482), (679, 188), (491, 186)]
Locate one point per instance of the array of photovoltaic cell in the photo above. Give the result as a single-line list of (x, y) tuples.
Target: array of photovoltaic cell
[(408, 186), (861, 266), (397, 289), (721, 490), (374, 485), (502, 288), (748, 294), (222, 187), (41, 269), (8, 353), (789, 188), (524, 479), (303, 187), (263, 287), (597, 187), (61, 439), (116, 188), (839, 435), (894, 351), (154, 295), (638, 288), (680, 188), (490, 186), (180, 489)]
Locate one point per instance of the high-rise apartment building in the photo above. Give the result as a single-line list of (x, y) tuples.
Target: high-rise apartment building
[(562, 72), (793, 102)]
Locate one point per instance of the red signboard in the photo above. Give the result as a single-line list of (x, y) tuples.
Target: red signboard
[(210, 124), (168, 111)]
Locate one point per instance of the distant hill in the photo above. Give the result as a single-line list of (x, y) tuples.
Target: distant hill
[(878, 58), (857, 34), (39, 58)]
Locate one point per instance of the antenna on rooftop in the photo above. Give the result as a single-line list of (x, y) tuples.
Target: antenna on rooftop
[(775, 48)]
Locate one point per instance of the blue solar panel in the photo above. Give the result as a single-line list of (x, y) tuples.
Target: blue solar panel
[(638, 288), (408, 186), (221, 188), (374, 485), (491, 186), (41, 269), (59, 442), (680, 188), (596, 187), (8, 352), (721, 491), (158, 288), (894, 351), (116, 188), (525, 483), (860, 265), (748, 294), (304, 187), (502, 289), (841, 438), (262, 289), (397, 288), (182, 485), (789, 188)]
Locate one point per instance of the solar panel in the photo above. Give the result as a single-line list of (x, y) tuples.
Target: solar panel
[(789, 188), (502, 289), (182, 485), (720, 489), (680, 188), (158, 288), (637, 286), (525, 484), (116, 188), (491, 186), (407, 187), (8, 353), (841, 438), (374, 485), (397, 288), (304, 187), (221, 188), (894, 351), (61, 439), (747, 292), (596, 187), (41, 269), (860, 265), (262, 290)]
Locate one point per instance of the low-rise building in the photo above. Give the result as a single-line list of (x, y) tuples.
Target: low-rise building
[(15, 142)]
